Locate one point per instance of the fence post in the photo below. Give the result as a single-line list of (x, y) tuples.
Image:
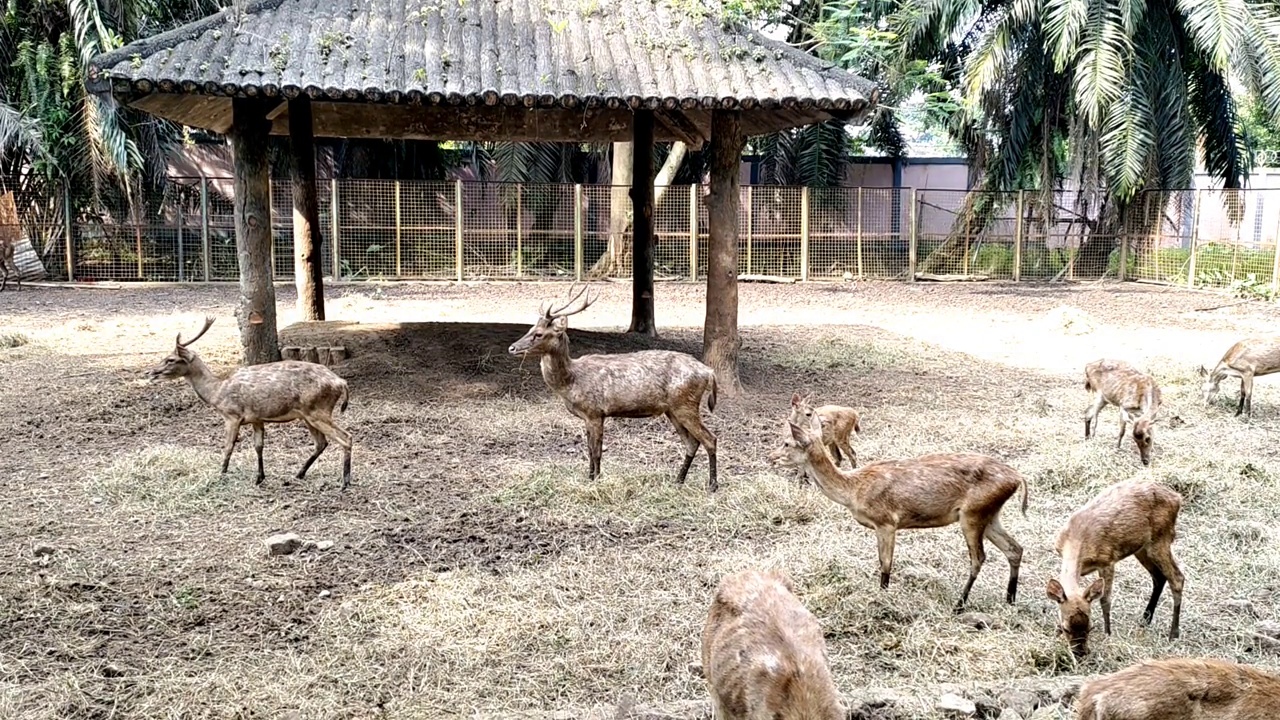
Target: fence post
[(804, 233), (1275, 262), (911, 239), (181, 253), (66, 212), (206, 256), (577, 232), (271, 223), (858, 233), (399, 267), (1195, 238), (137, 241), (751, 194), (519, 229), (457, 229), (693, 233), (335, 245), (1017, 235), (1123, 272)]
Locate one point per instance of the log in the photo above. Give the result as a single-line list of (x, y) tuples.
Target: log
[(292, 352), (307, 271), (720, 342), (642, 315), (766, 279), (256, 313), (311, 355), (933, 277), (322, 355), (338, 354)]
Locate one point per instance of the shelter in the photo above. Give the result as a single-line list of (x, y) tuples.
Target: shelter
[(483, 70)]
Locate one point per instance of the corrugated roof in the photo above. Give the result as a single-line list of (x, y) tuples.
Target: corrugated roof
[(536, 53)]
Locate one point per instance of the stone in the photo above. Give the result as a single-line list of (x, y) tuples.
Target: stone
[(1009, 714), (977, 620), (956, 705), (1020, 701), (324, 545), (43, 550), (112, 670), (284, 543), (325, 594)]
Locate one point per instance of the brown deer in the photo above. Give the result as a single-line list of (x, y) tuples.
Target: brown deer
[(7, 242), (1134, 392), (1135, 517), (1246, 360), (640, 384), (839, 424), (268, 393), (925, 492), (1181, 689), (763, 654)]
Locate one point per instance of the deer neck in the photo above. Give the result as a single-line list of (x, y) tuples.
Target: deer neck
[(1069, 576), (202, 380), (831, 480), (557, 368)]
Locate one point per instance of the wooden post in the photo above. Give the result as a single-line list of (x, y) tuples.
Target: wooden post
[(751, 203), (1123, 271), (335, 225), (257, 310), (858, 231), (911, 239), (804, 234), (968, 239), (181, 256), (1195, 238), (720, 332), (206, 253), (137, 240), (519, 229), (399, 265), (693, 233), (71, 253), (308, 270), (1017, 235), (1275, 261), (577, 232), (457, 228), (642, 320)]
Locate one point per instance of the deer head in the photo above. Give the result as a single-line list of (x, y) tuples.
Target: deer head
[(1073, 614), (178, 363), (1142, 437), (548, 334), (795, 449), (1210, 387)]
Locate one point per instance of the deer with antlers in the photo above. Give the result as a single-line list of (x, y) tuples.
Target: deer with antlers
[(639, 384), (275, 392)]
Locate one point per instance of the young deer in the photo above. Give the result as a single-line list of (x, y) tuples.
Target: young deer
[(1135, 517), (1181, 689), (925, 492), (1246, 360), (640, 384), (763, 654), (7, 242), (269, 393), (839, 424), (1133, 391)]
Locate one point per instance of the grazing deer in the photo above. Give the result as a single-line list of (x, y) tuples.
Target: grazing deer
[(1133, 391), (640, 384), (1246, 360), (763, 654), (1181, 689), (925, 492), (1137, 518), (7, 242), (268, 393), (839, 424)]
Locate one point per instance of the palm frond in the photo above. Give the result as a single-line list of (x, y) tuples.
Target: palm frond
[(1128, 140), (1157, 45), (1214, 113), (1064, 21), (1215, 28), (1103, 63), (20, 133), (1258, 57), (992, 58)]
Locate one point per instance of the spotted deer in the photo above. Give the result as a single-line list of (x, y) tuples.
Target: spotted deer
[(1181, 689), (8, 241), (274, 392), (839, 425), (1135, 517), (763, 654), (1246, 360), (647, 383), (1134, 392), (924, 492)]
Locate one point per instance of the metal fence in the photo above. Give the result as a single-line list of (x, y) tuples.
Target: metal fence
[(386, 229)]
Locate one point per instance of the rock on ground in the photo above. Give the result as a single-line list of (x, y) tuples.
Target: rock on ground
[(284, 543)]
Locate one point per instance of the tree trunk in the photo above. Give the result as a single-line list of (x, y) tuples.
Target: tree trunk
[(720, 333), (642, 225), (257, 311), (308, 272), (619, 213)]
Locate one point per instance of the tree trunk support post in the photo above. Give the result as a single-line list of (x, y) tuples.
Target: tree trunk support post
[(1195, 238), (578, 245), (912, 247), (257, 310), (457, 229), (1021, 210), (206, 252), (720, 332), (335, 222), (693, 233), (398, 214), (642, 319), (308, 270), (858, 230), (66, 218)]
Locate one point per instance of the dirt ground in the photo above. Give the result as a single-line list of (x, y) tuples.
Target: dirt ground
[(476, 572)]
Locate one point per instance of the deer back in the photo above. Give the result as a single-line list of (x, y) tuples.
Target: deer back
[(636, 384), (1123, 385), (1255, 355), (280, 390), (1119, 521), (1181, 689)]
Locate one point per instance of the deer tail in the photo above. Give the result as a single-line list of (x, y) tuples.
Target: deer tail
[(1023, 480), (345, 397), (711, 399)]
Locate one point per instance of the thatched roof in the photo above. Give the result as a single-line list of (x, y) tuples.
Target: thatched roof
[(599, 59)]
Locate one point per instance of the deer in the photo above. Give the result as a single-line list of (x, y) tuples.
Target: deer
[(642, 384), (928, 491), (275, 392), (1181, 689), (763, 654), (1246, 360), (1135, 517), (7, 243), (839, 424), (1134, 392)]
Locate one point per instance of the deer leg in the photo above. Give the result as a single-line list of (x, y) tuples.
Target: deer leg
[(885, 537), (1246, 396), (330, 429), (1157, 584), (321, 443), (834, 449), (1162, 556), (1108, 575), (848, 450), (1012, 550), (595, 445), (1124, 422), (973, 533), (228, 445), (259, 437), (692, 423), (1091, 413), (4, 283)]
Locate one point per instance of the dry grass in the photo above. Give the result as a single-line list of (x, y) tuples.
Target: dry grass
[(477, 573)]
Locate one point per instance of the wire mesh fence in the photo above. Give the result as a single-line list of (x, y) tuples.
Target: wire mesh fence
[(388, 229)]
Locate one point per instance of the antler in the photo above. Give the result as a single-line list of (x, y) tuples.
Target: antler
[(208, 322), (564, 311)]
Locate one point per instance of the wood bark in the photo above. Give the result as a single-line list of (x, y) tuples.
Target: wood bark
[(620, 208), (308, 271), (720, 332), (256, 313), (642, 320)]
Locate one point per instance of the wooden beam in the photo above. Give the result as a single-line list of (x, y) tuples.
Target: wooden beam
[(675, 123), (642, 319), (308, 275), (257, 311), (720, 341)]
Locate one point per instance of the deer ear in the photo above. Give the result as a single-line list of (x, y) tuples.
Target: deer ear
[(560, 323), (1203, 371), (795, 399), (1055, 592), (799, 434), (1095, 590)]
